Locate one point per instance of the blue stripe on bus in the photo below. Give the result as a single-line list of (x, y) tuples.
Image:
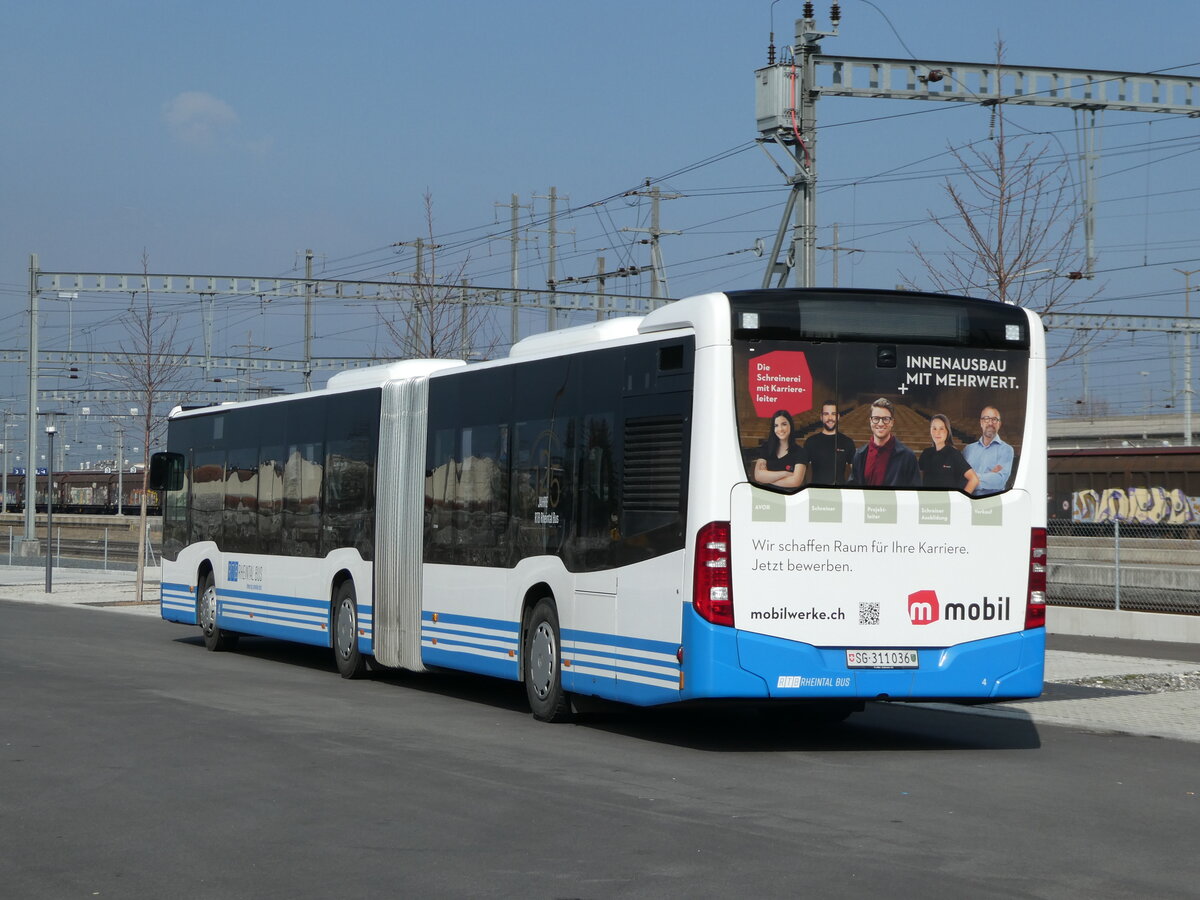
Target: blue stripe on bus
[(616, 662), (613, 640), (458, 619), (460, 642), (661, 667), (272, 608), (665, 678), (449, 628), (177, 602), (650, 666), (304, 620), (496, 665), (457, 641), (266, 628), (316, 603)]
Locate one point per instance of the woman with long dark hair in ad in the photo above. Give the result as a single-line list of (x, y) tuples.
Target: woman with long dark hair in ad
[(780, 462)]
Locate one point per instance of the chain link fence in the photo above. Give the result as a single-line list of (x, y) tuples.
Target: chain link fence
[(101, 542), (1124, 565), (1109, 565)]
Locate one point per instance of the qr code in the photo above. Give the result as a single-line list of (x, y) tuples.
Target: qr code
[(868, 613)]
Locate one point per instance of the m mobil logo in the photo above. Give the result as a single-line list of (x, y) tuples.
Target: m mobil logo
[(233, 570), (985, 610), (923, 607)]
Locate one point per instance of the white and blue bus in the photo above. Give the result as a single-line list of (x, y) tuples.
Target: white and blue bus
[(830, 496)]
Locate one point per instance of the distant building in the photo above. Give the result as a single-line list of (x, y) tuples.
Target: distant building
[(1157, 430)]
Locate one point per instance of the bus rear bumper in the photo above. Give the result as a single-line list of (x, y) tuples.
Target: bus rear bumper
[(1006, 667)]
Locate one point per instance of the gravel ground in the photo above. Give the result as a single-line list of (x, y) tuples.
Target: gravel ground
[(1146, 684)]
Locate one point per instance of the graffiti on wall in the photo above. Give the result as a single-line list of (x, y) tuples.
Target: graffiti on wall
[(1145, 506)]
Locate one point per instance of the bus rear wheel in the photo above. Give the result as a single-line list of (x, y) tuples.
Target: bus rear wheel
[(350, 661), (206, 617), (543, 665)]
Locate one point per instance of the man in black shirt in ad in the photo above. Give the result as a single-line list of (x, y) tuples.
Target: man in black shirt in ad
[(829, 451)]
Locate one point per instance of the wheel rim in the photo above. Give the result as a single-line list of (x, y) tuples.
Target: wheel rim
[(345, 628), (208, 609), (543, 660)]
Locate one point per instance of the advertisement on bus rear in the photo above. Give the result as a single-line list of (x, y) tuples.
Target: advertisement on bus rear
[(844, 567), (880, 416), (878, 503)]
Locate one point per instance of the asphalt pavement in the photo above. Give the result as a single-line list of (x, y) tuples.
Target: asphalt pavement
[(1101, 685)]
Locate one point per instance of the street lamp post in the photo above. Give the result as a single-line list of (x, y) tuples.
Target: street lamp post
[(50, 432), (29, 544), (120, 470)]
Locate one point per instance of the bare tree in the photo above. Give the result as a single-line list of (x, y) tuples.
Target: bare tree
[(433, 316), (150, 367), (1013, 226)]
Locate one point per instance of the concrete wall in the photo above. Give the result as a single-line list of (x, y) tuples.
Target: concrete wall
[(1142, 626)]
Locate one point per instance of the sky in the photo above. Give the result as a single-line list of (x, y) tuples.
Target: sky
[(226, 138)]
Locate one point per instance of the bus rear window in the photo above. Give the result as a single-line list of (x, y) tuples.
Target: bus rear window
[(885, 392), (894, 316)]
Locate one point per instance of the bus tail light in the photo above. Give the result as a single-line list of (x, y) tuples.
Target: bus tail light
[(1035, 608), (712, 580)]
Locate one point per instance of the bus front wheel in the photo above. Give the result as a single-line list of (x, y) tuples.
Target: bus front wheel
[(350, 661), (206, 617), (543, 665)]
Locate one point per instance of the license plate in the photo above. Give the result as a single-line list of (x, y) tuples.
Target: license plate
[(881, 659)]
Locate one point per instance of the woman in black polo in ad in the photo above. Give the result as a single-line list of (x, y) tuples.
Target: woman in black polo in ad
[(780, 462), (942, 465)]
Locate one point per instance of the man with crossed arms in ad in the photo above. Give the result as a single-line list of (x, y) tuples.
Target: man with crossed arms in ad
[(989, 456)]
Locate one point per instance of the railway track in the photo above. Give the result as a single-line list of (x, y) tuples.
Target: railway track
[(97, 549)]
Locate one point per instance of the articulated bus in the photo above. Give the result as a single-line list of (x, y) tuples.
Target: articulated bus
[(814, 497)]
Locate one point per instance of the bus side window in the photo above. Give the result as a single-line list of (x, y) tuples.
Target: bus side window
[(543, 489), (241, 495), (482, 525), (349, 503), (208, 495), (441, 494), (302, 477), (270, 498)]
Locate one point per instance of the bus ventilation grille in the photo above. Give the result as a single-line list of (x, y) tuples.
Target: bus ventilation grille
[(653, 463)]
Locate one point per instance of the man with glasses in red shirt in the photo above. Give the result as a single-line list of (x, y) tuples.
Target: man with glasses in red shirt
[(883, 461)]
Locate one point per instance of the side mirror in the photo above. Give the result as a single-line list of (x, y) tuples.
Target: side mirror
[(166, 472)]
